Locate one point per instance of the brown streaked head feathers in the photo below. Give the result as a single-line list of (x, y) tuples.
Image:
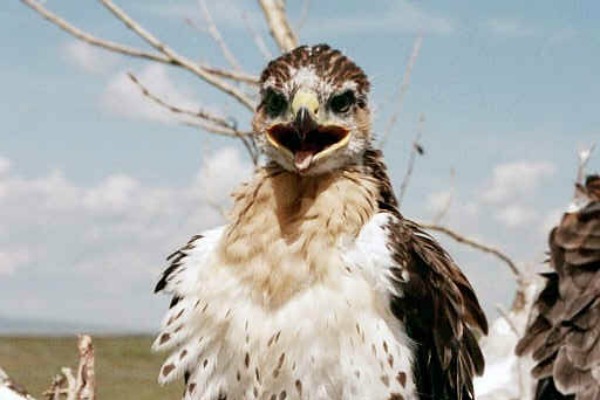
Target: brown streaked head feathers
[(313, 117), (329, 64)]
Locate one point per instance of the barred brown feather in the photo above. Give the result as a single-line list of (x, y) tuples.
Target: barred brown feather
[(438, 306), (564, 337)]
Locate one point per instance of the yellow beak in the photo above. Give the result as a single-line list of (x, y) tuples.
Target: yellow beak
[(306, 99)]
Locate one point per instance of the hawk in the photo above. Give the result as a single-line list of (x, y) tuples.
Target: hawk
[(564, 335), (318, 288)]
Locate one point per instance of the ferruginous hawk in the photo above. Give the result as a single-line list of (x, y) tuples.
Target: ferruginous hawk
[(564, 335), (318, 288)]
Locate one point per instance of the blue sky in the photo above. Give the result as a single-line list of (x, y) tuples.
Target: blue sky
[(97, 185)]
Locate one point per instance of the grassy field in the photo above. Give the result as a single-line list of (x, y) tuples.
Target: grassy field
[(125, 367)]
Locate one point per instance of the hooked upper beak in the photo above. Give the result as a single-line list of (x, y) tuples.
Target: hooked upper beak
[(306, 138), (305, 107)]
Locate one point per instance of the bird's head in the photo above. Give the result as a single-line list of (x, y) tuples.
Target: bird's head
[(313, 115)]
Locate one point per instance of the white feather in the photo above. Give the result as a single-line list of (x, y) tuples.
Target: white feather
[(335, 339)]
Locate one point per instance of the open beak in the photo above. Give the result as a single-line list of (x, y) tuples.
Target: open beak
[(305, 139)]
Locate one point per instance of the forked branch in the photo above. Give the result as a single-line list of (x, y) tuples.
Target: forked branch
[(164, 54), (214, 32), (476, 245), (403, 89)]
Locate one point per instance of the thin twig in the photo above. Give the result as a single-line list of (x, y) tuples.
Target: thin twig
[(583, 156), (403, 89), (213, 31), (415, 150), (202, 119), (506, 316), (91, 39), (279, 26), (127, 50), (303, 15), (177, 58), (242, 77), (476, 245), (86, 375), (258, 40), (212, 118), (446, 207)]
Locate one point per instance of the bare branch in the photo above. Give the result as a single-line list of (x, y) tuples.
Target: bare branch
[(258, 40), (213, 31), (403, 89), (242, 77), (583, 156), (416, 149), (476, 245), (446, 207), (203, 119), (127, 50), (86, 376), (210, 117), (93, 40), (279, 26), (177, 58), (506, 316), (303, 15)]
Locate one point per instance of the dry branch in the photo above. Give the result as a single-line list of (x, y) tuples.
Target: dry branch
[(91, 39), (303, 15), (202, 119), (205, 115), (403, 89), (416, 149), (81, 387), (258, 40), (214, 32), (446, 207), (177, 58), (86, 376), (211, 75), (506, 316), (476, 245), (279, 26)]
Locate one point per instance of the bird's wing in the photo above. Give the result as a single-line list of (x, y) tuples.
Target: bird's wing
[(182, 279), (433, 300), (564, 335)]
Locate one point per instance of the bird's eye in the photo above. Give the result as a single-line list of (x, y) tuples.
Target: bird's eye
[(341, 103), (276, 103)]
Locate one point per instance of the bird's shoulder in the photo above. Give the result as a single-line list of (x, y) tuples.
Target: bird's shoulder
[(185, 263), (433, 299)]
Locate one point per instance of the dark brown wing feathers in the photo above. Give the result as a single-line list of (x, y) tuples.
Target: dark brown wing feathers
[(564, 335), (438, 307)]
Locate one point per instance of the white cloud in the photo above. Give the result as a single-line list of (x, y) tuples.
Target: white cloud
[(226, 14), (5, 165), (437, 202), (399, 17), (515, 215), (516, 179), (509, 27), (112, 235), (114, 194), (10, 260), (88, 58), (122, 97)]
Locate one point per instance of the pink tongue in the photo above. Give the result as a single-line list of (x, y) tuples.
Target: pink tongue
[(302, 159)]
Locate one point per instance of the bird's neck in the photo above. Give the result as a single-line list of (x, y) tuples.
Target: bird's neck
[(285, 229)]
